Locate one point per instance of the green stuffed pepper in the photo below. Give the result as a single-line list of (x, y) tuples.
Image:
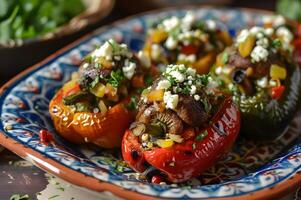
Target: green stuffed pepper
[(259, 71)]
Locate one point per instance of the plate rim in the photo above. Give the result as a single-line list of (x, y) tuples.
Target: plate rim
[(79, 179)]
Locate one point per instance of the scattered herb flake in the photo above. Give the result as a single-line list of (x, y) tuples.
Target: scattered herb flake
[(53, 197), (276, 43), (201, 136), (225, 57), (133, 103)]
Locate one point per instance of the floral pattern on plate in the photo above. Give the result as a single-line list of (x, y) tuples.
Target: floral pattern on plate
[(249, 167)]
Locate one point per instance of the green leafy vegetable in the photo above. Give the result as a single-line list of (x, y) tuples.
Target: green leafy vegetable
[(289, 8), (25, 19)]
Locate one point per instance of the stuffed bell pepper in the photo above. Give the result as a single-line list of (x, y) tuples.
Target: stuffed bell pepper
[(95, 106), (260, 73), (182, 127), (186, 40)]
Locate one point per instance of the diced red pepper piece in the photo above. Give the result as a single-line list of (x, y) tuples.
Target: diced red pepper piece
[(277, 92), (157, 179), (45, 136), (189, 49)]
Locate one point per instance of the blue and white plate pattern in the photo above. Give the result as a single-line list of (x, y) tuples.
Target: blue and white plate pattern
[(249, 167)]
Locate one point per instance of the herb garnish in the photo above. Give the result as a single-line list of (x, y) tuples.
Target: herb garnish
[(21, 20), (201, 136), (116, 77)]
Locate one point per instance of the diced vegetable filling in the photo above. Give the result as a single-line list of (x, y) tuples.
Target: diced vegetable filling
[(256, 67), (108, 75), (178, 100)]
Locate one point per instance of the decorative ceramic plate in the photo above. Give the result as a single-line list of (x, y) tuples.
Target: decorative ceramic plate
[(251, 170)]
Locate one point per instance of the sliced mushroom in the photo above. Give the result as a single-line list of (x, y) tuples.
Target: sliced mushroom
[(192, 112), (173, 123), (145, 113)]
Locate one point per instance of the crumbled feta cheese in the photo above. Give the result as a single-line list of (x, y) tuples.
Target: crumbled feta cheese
[(285, 34), (155, 52), (197, 97), (104, 50), (192, 90), (170, 100), (242, 36), (171, 43), (197, 34), (144, 59), (259, 35), (182, 67), (279, 20), (178, 76), (218, 70), (117, 58), (163, 84), (264, 42), (189, 82), (188, 20), (259, 53), (170, 23), (211, 25), (191, 72), (255, 30), (85, 65), (263, 82), (269, 31), (187, 58), (129, 70), (272, 83)]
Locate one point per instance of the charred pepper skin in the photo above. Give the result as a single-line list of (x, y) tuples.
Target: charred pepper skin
[(271, 122), (192, 157)]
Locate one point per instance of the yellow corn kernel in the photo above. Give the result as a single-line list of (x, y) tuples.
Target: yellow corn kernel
[(245, 48), (155, 95), (98, 90), (277, 72), (165, 143), (158, 35)]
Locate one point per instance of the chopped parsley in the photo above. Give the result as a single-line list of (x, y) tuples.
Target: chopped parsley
[(276, 43), (133, 103), (225, 58), (116, 77), (201, 136)]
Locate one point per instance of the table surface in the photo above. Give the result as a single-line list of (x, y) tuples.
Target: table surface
[(21, 177)]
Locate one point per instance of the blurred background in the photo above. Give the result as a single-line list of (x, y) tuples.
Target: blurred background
[(31, 30)]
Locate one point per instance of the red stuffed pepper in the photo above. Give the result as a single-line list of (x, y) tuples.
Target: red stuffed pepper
[(182, 127)]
